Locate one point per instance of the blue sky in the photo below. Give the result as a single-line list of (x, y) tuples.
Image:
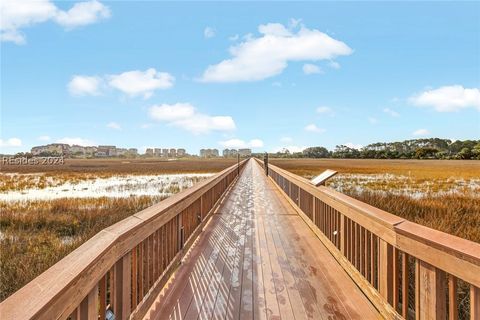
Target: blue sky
[(238, 74)]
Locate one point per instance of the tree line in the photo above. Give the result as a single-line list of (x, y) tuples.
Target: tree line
[(433, 148)]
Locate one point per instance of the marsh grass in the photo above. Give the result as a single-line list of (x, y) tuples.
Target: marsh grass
[(440, 194), (37, 234)]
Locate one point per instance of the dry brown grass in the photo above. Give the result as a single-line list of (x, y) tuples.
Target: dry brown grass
[(108, 167), (34, 235), (37, 234), (456, 213)]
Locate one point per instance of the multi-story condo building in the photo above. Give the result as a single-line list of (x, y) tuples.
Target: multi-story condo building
[(157, 152), (208, 153), (181, 153), (227, 153), (149, 152), (245, 152), (172, 153)]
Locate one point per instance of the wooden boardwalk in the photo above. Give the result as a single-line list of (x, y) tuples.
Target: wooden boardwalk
[(257, 259)]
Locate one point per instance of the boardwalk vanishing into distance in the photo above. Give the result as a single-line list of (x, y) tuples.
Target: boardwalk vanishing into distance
[(257, 259), (245, 244)]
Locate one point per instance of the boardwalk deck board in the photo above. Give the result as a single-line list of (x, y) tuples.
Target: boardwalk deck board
[(257, 259)]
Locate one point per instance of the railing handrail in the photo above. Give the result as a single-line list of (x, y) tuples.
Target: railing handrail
[(453, 246), (386, 255), (70, 280)]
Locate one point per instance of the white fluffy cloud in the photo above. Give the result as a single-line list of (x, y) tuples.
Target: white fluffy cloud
[(313, 128), (334, 65), (186, 116), (209, 32), (12, 142), (114, 125), (84, 85), (136, 82), (324, 110), (44, 138), (268, 55), (77, 141), (310, 68), (421, 132), (238, 143), (448, 98), (17, 14), (132, 83), (391, 112)]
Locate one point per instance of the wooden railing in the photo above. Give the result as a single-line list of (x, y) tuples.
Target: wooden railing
[(405, 269), (123, 267)]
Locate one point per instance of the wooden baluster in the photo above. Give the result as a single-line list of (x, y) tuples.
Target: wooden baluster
[(123, 288), (432, 294), (405, 282), (385, 268), (140, 271), (368, 253), (111, 281), (357, 246), (342, 235), (150, 262), (373, 252), (452, 298), (362, 250), (134, 278), (102, 287), (396, 278), (474, 302), (89, 306)]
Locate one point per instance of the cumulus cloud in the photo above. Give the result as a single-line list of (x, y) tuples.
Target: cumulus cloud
[(310, 68), (334, 65), (186, 116), (238, 143), (132, 83), (44, 138), (209, 32), (391, 112), (313, 128), (136, 82), (421, 132), (324, 110), (258, 58), (84, 85), (12, 142), (16, 15), (77, 141), (448, 98), (114, 125), (286, 139)]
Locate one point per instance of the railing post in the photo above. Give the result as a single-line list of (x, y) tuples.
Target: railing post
[(265, 163), (474, 302), (432, 292), (385, 270), (123, 286), (89, 306)]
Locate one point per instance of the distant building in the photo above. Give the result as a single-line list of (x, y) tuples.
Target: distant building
[(181, 153), (172, 153), (53, 148), (106, 151), (228, 153), (157, 152), (165, 153), (90, 151), (77, 151), (245, 152), (209, 153), (122, 152), (149, 152), (133, 152)]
